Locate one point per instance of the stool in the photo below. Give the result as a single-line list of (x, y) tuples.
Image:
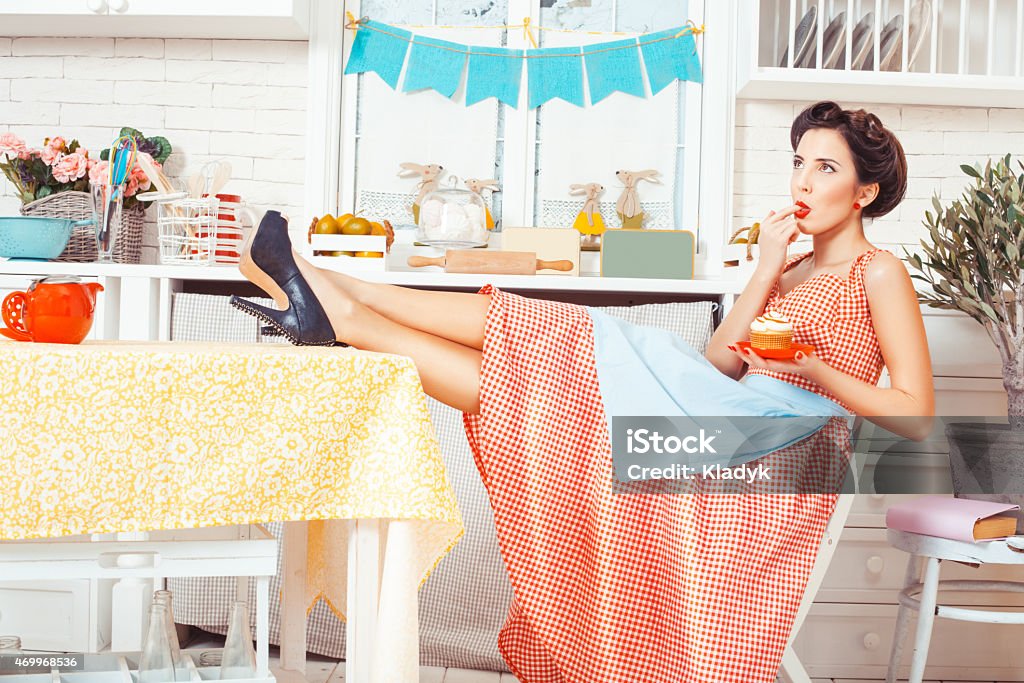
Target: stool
[(934, 550)]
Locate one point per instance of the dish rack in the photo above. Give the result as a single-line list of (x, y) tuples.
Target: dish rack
[(239, 551), (940, 52)]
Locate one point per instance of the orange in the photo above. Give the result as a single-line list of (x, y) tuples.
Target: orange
[(327, 226), (377, 229), (370, 254), (356, 226)]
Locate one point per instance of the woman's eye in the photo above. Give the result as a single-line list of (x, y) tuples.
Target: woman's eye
[(828, 168), (796, 163)]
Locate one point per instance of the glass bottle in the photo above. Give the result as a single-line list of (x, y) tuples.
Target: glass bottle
[(10, 646), (239, 659), (165, 598), (157, 665)]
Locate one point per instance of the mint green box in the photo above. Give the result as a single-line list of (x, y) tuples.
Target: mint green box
[(662, 254)]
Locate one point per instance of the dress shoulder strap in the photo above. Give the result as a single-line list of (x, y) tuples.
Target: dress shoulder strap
[(856, 297)]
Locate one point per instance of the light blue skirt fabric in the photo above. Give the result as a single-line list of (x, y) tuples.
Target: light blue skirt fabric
[(646, 371)]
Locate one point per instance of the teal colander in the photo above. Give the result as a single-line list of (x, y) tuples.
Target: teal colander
[(35, 237)]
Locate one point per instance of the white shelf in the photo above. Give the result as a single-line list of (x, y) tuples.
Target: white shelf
[(775, 83), (397, 273), (267, 19)]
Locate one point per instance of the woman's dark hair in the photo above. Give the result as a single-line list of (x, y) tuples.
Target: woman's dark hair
[(877, 154)]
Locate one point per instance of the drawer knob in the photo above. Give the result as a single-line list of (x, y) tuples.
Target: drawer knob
[(97, 6), (877, 496), (875, 564), (871, 641), (119, 6)]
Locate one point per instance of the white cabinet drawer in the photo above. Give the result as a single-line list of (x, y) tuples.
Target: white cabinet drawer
[(869, 509), (853, 641), (970, 396), (866, 569), (47, 615)]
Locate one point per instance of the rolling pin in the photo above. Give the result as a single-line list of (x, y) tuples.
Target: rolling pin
[(494, 263)]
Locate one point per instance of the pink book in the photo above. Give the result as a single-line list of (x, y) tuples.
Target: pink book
[(960, 519)]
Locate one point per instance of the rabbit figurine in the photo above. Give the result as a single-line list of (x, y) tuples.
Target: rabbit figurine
[(430, 175), (628, 205), (478, 186), (589, 221)]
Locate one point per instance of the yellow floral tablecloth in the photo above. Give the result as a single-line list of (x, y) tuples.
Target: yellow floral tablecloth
[(129, 436)]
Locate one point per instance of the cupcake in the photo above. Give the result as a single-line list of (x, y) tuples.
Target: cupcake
[(771, 331)]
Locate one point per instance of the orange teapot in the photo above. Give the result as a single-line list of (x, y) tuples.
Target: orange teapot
[(55, 309)]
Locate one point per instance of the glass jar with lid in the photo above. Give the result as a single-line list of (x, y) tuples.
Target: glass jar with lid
[(451, 218)]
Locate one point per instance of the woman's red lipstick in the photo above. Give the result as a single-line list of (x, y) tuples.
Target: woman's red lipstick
[(806, 210)]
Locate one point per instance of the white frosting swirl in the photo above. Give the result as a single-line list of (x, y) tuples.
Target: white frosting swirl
[(771, 321)]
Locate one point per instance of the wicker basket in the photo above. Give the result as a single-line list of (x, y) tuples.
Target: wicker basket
[(82, 245)]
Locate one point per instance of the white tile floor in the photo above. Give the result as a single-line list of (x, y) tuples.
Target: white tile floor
[(321, 669)]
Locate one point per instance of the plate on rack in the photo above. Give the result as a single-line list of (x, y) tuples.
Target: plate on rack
[(780, 354), (920, 24), (891, 45), (806, 32), (834, 42), (862, 42)]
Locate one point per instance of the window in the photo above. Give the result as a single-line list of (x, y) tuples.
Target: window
[(534, 154)]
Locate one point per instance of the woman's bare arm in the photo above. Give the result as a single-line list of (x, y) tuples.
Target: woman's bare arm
[(777, 231), (908, 407)]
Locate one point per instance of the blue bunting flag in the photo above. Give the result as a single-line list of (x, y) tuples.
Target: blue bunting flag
[(494, 72), (434, 64), (613, 66), (555, 72), (381, 48), (671, 59)]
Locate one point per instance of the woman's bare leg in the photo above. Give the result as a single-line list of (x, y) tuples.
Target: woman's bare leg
[(450, 372), (458, 316)]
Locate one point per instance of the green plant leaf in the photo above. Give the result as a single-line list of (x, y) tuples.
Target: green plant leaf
[(43, 191), (163, 146), (970, 170)]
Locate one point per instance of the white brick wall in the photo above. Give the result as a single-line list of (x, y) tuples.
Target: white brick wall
[(238, 100), (937, 140)]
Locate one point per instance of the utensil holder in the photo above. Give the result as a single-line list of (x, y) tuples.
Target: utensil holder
[(186, 228)]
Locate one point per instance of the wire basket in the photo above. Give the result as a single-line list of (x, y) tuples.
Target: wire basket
[(82, 245), (186, 229)]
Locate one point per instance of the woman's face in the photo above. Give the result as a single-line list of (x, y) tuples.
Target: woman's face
[(825, 180)]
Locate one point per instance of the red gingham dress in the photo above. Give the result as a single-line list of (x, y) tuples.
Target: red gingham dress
[(613, 588)]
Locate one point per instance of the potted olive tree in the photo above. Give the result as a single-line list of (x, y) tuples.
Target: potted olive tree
[(974, 262)]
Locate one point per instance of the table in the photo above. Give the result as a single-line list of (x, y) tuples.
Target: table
[(121, 437)]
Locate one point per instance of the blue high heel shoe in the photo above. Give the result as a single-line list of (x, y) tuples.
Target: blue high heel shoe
[(304, 323)]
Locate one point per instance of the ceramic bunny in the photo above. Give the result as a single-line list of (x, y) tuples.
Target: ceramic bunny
[(478, 186), (628, 205), (430, 175), (589, 221)]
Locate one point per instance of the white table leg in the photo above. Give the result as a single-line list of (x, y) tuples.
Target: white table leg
[(902, 623), (362, 599), (925, 619), (293, 599), (262, 626)]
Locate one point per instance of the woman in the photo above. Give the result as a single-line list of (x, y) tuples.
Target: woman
[(651, 588)]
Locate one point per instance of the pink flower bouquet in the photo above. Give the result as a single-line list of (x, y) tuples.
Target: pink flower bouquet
[(58, 166)]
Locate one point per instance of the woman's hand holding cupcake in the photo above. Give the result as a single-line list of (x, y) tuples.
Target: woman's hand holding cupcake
[(801, 364), (778, 231)]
